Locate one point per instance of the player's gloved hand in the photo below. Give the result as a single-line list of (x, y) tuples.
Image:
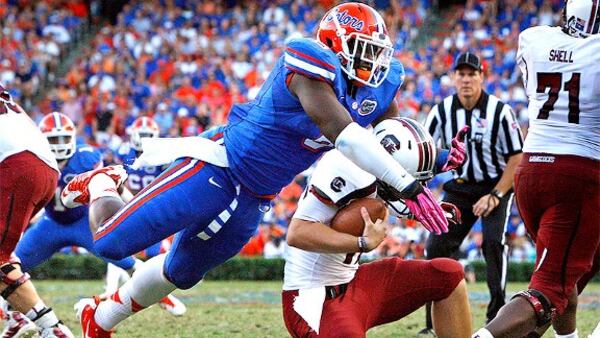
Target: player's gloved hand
[(424, 207), (452, 212), (374, 233), (458, 151)]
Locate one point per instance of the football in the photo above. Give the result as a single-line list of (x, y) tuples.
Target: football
[(349, 220)]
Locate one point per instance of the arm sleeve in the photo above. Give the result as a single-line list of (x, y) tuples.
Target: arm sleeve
[(521, 62), (361, 147), (512, 140)]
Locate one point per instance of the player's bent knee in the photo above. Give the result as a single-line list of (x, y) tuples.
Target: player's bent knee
[(183, 281), (109, 249), (451, 273)]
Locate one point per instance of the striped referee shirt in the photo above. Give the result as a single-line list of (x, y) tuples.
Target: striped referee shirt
[(494, 136)]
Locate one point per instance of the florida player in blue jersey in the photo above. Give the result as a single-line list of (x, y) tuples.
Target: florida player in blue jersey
[(60, 226), (320, 95), (137, 179)]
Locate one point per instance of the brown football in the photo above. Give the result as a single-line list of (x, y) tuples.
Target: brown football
[(349, 220)]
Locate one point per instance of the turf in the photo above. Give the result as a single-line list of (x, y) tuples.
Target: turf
[(252, 309)]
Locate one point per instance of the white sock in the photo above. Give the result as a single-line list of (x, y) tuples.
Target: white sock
[(146, 287), (574, 334), (42, 315), (114, 275), (102, 186), (482, 333)]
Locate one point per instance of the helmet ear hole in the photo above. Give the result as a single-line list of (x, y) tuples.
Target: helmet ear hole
[(329, 42)]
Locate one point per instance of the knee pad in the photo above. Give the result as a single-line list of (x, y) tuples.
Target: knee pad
[(11, 284), (544, 311)]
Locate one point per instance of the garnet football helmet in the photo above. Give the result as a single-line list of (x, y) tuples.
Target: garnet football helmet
[(581, 18), (60, 132), (143, 126), (356, 33), (410, 144)]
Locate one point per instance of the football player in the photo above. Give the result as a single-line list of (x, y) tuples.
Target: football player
[(137, 179), (28, 177), (324, 286), (319, 96), (558, 181), (60, 226)]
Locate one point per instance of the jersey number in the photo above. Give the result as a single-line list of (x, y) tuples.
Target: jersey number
[(350, 258), (318, 144), (554, 81), (137, 182)]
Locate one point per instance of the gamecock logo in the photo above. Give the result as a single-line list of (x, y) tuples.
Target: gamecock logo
[(390, 143), (337, 184)]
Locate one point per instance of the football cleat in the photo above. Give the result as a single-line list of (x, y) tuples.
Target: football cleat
[(426, 332), (85, 309), (17, 325), (76, 193), (58, 331), (173, 305)]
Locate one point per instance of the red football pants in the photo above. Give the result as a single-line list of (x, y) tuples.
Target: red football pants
[(381, 292), (26, 185), (559, 201)]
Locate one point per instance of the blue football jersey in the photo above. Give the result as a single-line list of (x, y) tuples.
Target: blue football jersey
[(84, 159), (137, 179), (272, 139)]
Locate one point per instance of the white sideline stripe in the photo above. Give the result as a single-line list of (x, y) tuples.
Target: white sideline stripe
[(224, 216), (137, 198), (308, 67)]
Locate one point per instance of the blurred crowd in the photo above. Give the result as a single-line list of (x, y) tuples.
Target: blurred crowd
[(34, 36), (186, 62)]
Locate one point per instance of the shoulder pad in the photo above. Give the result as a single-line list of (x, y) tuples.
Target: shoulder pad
[(340, 180), (312, 59), (88, 157)]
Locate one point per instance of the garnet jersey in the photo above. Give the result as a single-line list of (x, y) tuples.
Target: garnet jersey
[(137, 179), (562, 80), (84, 159), (18, 134), (274, 134)]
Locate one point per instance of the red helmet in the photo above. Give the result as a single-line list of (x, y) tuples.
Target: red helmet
[(60, 132), (357, 34), (143, 126)]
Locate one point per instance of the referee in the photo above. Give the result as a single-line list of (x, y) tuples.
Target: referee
[(482, 187)]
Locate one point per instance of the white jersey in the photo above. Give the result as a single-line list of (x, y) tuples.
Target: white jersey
[(18, 133), (335, 181), (562, 80)]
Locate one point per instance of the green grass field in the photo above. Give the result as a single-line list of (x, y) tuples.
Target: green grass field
[(252, 309)]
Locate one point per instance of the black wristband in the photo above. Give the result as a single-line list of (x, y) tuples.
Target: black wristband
[(496, 193), (362, 244)]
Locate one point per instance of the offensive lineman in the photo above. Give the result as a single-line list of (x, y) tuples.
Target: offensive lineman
[(558, 180), (325, 292), (28, 177)]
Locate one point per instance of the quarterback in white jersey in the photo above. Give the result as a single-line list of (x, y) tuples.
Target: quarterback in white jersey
[(557, 183), (325, 291), (28, 178)]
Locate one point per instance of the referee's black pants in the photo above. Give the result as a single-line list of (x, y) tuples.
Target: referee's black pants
[(495, 250)]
